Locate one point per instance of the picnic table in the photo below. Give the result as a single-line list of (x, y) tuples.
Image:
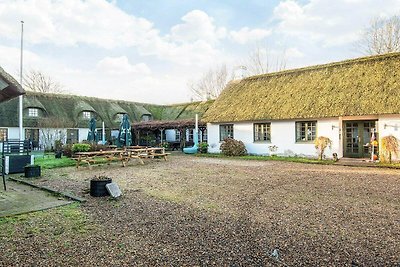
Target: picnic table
[(149, 152), (122, 155)]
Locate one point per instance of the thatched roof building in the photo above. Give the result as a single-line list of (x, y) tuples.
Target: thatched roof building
[(363, 86), (9, 87), (68, 110)]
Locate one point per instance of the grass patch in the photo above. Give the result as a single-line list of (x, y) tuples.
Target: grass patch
[(66, 220), (266, 158), (51, 162), (165, 195)]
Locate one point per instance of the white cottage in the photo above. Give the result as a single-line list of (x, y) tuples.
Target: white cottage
[(345, 101)]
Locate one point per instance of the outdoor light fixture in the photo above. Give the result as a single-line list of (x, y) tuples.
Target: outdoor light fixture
[(396, 127)]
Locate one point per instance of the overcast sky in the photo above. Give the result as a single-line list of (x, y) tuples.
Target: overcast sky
[(149, 50)]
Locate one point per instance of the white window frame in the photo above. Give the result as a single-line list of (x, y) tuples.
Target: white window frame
[(262, 132), (33, 112), (228, 131), (86, 115), (310, 131)]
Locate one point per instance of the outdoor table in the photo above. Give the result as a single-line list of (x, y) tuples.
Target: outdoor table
[(90, 157), (150, 152)]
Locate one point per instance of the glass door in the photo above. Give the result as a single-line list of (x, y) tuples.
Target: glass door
[(357, 138)]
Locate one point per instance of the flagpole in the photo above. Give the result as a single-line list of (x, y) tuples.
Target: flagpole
[(20, 98)]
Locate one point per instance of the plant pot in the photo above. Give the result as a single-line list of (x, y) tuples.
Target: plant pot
[(32, 171), (98, 187), (58, 154)]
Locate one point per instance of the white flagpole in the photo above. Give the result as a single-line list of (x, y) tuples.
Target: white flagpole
[(103, 135), (20, 98)]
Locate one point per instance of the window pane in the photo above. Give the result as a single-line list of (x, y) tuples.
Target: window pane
[(86, 114), (306, 130), (225, 130), (3, 134), (33, 112), (262, 132)]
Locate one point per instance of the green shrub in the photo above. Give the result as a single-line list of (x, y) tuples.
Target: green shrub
[(165, 145), (203, 147), (80, 148), (232, 147)]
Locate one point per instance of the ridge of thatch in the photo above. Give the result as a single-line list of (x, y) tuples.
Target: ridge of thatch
[(362, 86)]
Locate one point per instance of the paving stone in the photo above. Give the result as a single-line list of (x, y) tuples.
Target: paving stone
[(113, 190)]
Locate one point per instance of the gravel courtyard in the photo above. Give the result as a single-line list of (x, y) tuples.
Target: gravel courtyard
[(192, 211)]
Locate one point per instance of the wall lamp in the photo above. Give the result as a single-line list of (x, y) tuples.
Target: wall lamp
[(396, 127)]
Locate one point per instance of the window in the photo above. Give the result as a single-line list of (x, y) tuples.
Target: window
[(204, 135), (190, 135), (100, 134), (146, 117), (87, 115), (306, 131), (72, 136), (262, 132), (225, 131), (177, 135), (120, 116), (33, 112), (3, 134)]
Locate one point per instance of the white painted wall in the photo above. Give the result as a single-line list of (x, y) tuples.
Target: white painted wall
[(283, 135), (389, 125), (170, 135), (13, 133), (83, 133)]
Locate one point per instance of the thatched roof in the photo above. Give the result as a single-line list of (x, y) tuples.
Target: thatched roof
[(363, 86), (9, 87), (69, 108)]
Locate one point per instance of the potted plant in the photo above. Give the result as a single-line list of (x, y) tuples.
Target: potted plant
[(98, 186), (32, 170), (58, 149)]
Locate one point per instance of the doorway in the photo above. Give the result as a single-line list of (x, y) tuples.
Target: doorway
[(357, 136)]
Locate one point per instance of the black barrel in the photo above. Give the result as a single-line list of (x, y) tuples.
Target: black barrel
[(32, 171), (98, 187)]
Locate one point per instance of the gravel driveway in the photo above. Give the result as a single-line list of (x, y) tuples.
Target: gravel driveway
[(193, 211)]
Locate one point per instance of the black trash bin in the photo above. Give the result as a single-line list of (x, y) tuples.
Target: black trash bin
[(98, 187)]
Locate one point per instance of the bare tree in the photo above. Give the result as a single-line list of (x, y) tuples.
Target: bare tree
[(261, 60), (381, 36), (52, 129), (37, 81), (211, 84)]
